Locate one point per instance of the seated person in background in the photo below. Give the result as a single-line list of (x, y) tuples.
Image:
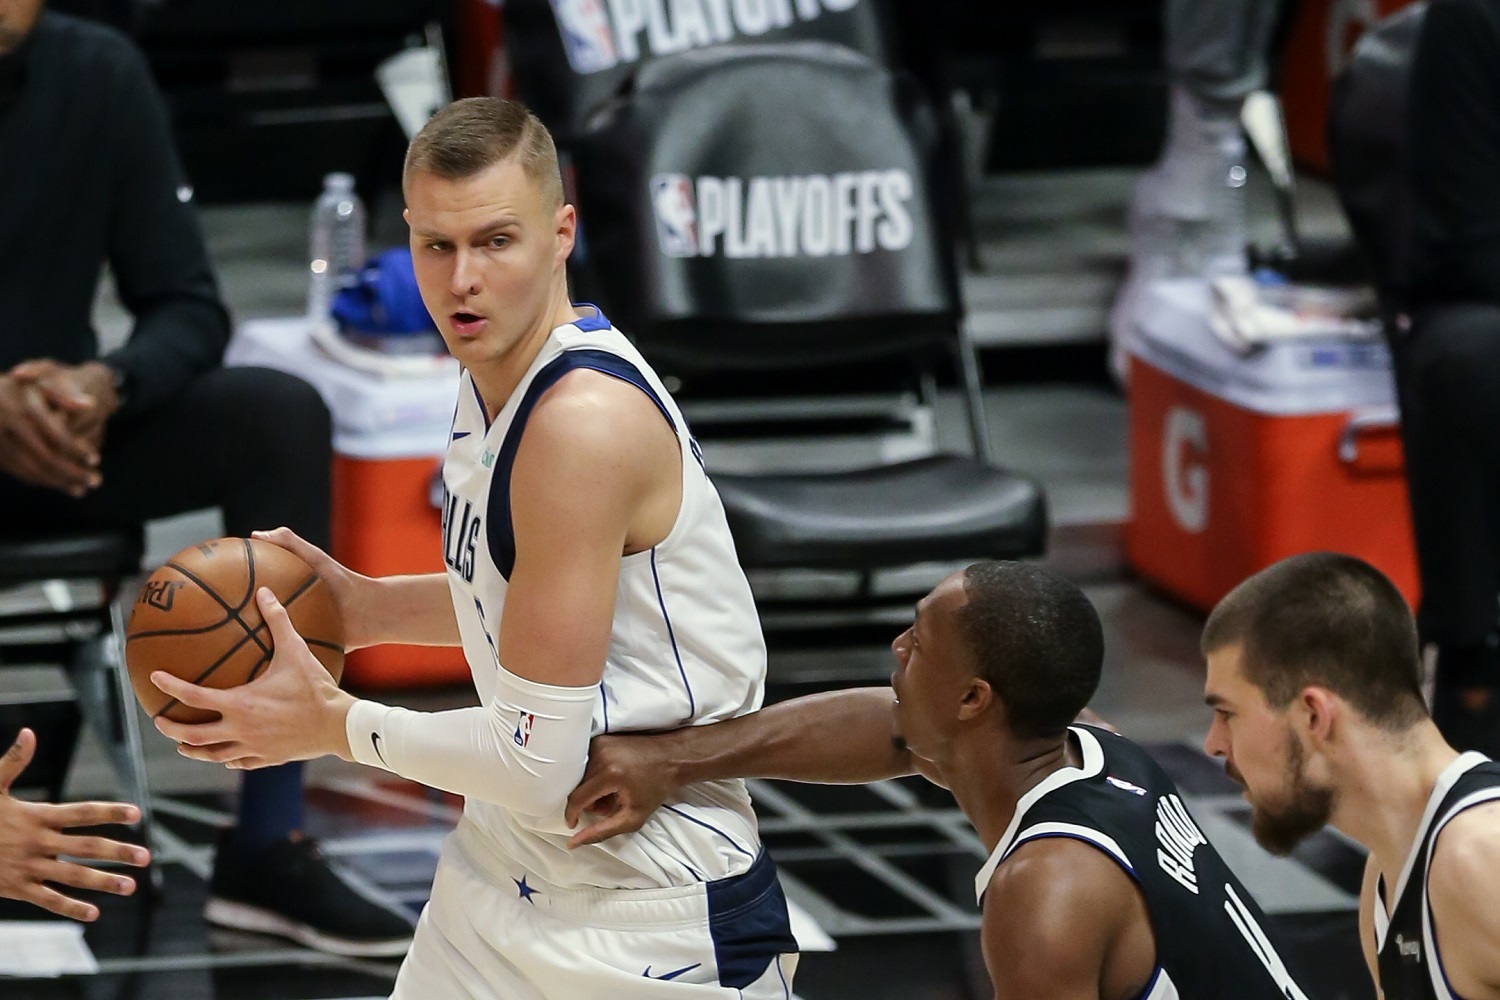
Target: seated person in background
[(32, 844), (88, 174), (1448, 362), (1186, 219), (1099, 885)]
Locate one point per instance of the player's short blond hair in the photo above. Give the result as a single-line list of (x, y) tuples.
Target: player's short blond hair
[(474, 134)]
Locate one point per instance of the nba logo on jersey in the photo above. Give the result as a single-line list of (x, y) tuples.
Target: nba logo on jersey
[(676, 214), (522, 735), (586, 34)]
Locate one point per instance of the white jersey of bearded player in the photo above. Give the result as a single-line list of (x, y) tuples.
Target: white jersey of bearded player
[(685, 646)]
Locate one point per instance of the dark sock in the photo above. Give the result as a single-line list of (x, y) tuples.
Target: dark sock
[(270, 807)]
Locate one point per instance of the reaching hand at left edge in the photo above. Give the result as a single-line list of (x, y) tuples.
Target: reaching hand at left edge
[(33, 844)]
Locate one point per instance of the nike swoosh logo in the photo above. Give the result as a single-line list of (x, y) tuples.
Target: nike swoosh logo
[(461, 434), (671, 975), (375, 742)]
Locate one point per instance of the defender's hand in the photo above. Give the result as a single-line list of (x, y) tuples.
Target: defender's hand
[(32, 843), (627, 779)]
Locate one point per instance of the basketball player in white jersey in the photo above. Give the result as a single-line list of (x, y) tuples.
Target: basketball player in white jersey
[(593, 584), (1099, 884), (1315, 681)]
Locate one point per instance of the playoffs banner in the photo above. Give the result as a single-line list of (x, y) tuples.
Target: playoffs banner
[(765, 185), (569, 56)]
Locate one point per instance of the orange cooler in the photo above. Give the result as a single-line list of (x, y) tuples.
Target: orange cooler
[(385, 523), (1240, 461), (389, 436)]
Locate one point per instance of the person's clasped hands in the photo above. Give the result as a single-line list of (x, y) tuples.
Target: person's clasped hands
[(52, 422)]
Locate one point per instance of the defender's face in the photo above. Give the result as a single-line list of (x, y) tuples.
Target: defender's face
[(1264, 754), (486, 250), (17, 18), (933, 670)]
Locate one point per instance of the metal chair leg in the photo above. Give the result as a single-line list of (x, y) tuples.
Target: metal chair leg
[(132, 753), (968, 363), (108, 702)]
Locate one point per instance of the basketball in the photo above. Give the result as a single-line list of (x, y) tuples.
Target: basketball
[(196, 618)]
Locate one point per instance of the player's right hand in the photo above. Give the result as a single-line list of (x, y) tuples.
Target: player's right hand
[(36, 444), (625, 782), (344, 583), (32, 844)]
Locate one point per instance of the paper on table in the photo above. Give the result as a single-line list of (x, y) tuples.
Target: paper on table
[(809, 933), (44, 948)]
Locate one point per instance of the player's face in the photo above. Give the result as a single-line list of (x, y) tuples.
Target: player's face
[(932, 671), (488, 254), (1264, 754), (16, 20)]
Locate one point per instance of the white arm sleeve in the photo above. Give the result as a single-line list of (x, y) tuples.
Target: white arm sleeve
[(525, 750)]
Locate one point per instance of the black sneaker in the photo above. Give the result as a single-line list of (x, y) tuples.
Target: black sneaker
[(290, 890)]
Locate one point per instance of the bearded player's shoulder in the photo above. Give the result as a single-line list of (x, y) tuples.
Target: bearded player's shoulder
[(1465, 868)]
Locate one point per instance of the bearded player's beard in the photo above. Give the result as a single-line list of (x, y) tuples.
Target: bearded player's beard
[(1301, 810)]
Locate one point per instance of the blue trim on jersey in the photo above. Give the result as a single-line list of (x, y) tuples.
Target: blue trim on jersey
[(502, 535), (594, 323), (1437, 955), (1151, 983), (749, 923), (786, 987), (484, 414), (1023, 839), (604, 701), (709, 826), (692, 704), (617, 367)]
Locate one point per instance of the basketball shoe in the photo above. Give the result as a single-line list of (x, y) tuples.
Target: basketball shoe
[(291, 890)]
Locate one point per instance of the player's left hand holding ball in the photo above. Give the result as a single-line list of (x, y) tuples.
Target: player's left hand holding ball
[(293, 711)]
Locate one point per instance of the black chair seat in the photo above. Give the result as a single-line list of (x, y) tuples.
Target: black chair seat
[(71, 556), (946, 507)]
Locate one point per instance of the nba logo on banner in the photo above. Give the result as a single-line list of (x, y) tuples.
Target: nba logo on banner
[(586, 34), (522, 735), (676, 214)]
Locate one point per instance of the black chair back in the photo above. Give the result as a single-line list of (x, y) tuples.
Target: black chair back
[(569, 56), (1368, 140), (769, 206)]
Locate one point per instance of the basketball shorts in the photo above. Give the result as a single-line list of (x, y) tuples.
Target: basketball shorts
[(493, 933)]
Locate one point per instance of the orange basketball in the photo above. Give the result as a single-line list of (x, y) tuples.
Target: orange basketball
[(197, 618)]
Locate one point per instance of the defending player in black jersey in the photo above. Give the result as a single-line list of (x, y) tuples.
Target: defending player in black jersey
[(1100, 885), (1315, 681)]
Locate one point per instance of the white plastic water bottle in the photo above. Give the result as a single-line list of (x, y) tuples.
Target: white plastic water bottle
[(337, 244)]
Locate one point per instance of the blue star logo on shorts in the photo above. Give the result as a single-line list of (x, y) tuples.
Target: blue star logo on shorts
[(525, 890)]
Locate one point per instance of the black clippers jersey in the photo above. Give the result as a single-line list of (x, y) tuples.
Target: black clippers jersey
[(1210, 937), (1410, 966)]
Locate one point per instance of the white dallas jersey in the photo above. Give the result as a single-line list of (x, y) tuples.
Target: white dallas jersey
[(685, 647)]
